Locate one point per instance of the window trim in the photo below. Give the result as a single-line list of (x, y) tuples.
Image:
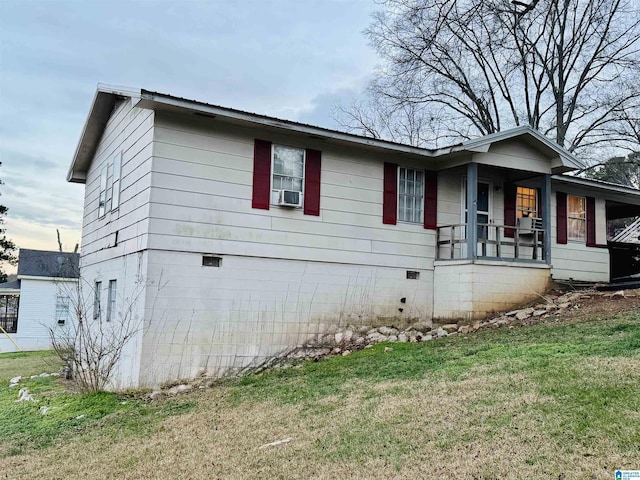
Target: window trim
[(422, 196), (570, 238), (272, 190)]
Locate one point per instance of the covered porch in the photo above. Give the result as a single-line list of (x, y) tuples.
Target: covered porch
[(498, 253)]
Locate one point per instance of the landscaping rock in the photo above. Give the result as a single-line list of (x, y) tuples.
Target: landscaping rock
[(388, 349), (422, 327), (463, 329), (346, 352), (25, 396), (155, 395), (403, 337), (392, 338), (388, 331), (537, 313), (522, 315), (450, 327), (339, 337), (441, 332), (180, 389), (359, 341)]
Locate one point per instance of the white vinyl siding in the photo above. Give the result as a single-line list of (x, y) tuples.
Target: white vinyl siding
[(201, 201), (128, 137)]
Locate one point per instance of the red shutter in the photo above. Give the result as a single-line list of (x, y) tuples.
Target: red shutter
[(561, 217), (312, 182), (261, 174), (390, 198), (431, 200), (510, 198), (591, 222)]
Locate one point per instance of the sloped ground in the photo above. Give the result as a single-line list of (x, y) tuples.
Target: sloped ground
[(558, 399)]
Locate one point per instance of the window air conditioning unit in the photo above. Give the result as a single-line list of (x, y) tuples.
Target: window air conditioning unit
[(289, 198), (528, 224)]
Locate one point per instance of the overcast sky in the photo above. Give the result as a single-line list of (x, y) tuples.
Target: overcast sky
[(292, 59)]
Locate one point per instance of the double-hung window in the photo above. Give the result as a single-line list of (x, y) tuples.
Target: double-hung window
[(576, 217), (527, 202), (288, 170), (410, 195), (62, 309)]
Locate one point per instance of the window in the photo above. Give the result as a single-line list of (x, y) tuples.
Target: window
[(62, 309), (288, 170), (9, 313), (96, 300), (410, 195), (109, 198), (111, 301), (211, 261), (526, 202), (576, 217)]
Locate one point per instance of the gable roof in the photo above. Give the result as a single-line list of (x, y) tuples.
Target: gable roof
[(43, 263), (106, 96)]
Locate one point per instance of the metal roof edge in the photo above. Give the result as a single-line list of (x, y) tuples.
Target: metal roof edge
[(149, 98), (93, 127), (614, 187)]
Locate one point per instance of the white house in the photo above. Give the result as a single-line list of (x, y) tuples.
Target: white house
[(242, 234), (41, 298)]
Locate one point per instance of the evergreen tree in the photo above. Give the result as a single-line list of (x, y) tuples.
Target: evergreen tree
[(7, 247)]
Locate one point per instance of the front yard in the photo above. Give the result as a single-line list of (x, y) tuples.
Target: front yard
[(556, 400)]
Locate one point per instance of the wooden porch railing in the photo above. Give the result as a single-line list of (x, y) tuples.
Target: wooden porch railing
[(527, 243)]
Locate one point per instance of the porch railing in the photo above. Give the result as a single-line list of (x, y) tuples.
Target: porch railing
[(526, 243)]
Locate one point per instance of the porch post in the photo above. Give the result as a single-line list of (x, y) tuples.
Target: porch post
[(546, 216), (472, 210)]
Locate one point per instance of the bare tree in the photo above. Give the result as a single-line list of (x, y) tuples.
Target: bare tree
[(92, 343), (465, 68)]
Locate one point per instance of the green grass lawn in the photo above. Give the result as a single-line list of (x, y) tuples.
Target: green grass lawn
[(534, 402)]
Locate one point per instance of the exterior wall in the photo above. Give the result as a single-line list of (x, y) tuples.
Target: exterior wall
[(514, 155), (201, 202), (130, 131), (129, 273), (469, 290), (36, 314), (575, 260), (217, 320)]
